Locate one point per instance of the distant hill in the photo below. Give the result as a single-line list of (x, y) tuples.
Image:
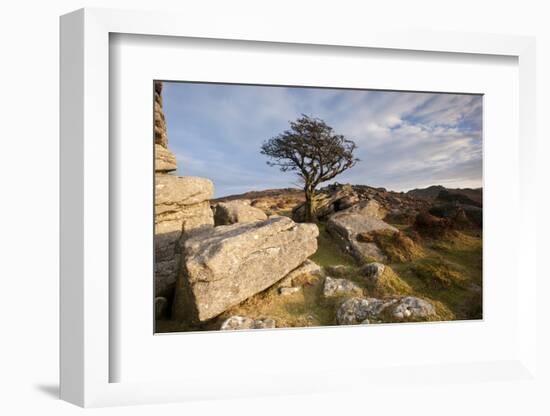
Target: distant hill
[(433, 192), (266, 193)]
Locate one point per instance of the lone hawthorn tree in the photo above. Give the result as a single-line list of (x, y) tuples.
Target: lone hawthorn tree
[(312, 150)]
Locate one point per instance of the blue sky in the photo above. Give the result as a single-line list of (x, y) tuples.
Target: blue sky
[(405, 140)]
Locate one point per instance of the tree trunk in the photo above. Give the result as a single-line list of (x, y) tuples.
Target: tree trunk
[(309, 214)]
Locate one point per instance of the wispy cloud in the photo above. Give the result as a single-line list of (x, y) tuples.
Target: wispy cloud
[(405, 140)]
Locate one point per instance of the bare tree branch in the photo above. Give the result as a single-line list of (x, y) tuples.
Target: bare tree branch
[(312, 150)]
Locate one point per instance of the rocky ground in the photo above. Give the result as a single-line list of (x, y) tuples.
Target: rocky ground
[(380, 257)]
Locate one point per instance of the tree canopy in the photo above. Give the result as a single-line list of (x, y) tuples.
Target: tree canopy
[(313, 150)]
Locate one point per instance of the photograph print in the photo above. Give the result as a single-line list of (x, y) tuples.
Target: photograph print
[(295, 207)]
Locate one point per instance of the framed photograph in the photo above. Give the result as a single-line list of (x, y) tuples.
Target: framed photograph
[(260, 233), (249, 214)]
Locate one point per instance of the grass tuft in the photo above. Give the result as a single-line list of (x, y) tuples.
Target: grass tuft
[(438, 274), (328, 252), (389, 284), (398, 247)]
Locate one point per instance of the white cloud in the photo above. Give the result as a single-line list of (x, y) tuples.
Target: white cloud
[(404, 139)]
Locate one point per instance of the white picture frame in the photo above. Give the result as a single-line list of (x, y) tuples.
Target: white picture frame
[(86, 356)]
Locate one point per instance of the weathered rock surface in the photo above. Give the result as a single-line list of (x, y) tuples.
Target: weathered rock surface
[(181, 207), (225, 265), (159, 120), (369, 208), (174, 192), (373, 271), (357, 310), (345, 227), (340, 287), (412, 307), (232, 212), (161, 307), (308, 267), (166, 273), (165, 160), (328, 203), (242, 322)]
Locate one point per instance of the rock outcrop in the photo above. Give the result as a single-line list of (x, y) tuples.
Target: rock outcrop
[(181, 207), (225, 265), (243, 322), (327, 203), (412, 307), (356, 310), (345, 228), (232, 212), (161, 137), (165, 161), (368, 208)]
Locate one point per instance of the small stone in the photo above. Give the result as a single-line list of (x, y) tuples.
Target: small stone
[(264, 323), (243, 322), (237, 322), (340, 287), (285, 291), (373, 271)]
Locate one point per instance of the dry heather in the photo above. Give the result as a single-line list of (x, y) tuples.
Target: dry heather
[(398, 247), (430, 226), (437, 273)]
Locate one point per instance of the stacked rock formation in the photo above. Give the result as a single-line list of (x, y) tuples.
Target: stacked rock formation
[(202, 270), (181, 206), (165, 161)]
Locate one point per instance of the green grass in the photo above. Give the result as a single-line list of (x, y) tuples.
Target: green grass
[(328, 252), (389, 284), (451, 273), (456, 261), (437, 273)]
